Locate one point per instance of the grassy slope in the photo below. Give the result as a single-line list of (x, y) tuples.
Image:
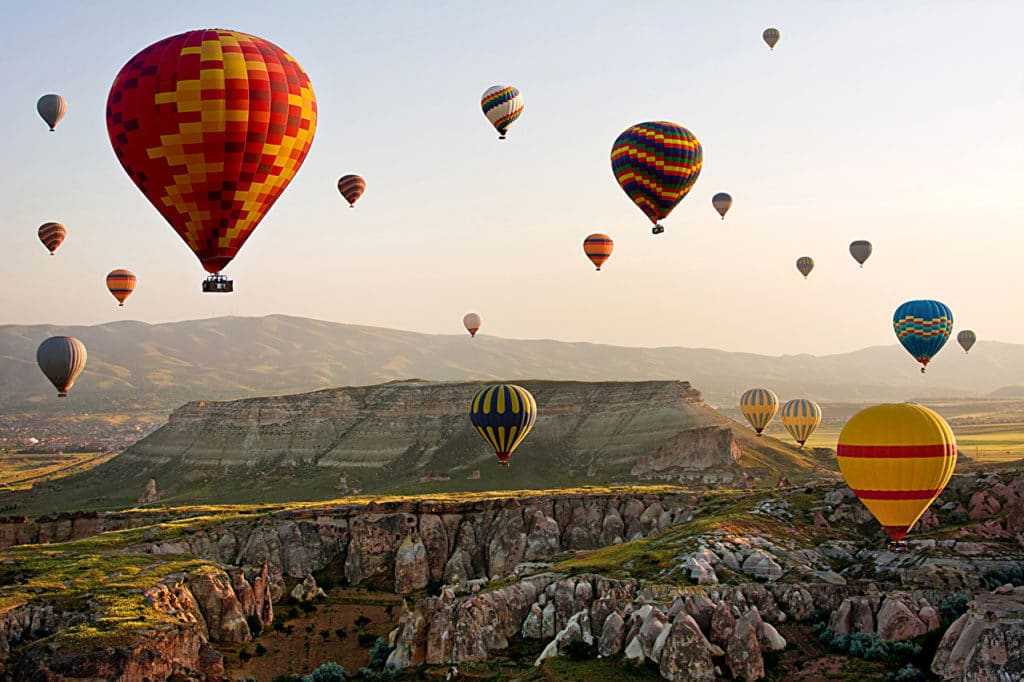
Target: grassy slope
[(21, 471)]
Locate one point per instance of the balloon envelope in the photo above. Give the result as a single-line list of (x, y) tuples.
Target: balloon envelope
[(212, 125), (805, 264), (860, 250), (759, 406), (121, 284), (966, 338), (801, 417), (351, 187), (721, 202), (598, 248), (771, 37), (656, 164), (897, 459), (471, 321), (503, 415), (52, 236), (52, 109), (62, 359), (502, 105), (923, 327)]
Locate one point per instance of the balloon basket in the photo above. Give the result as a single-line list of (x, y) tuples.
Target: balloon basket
[(657, 229), (218, 284)]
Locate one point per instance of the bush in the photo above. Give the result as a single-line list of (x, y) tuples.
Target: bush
[(244, 654), (287, 678), (327, 672), (362, 621), (325, 635), (260, 649), (307, 607), (952, 607), (342, 633), (908, 673), (292, 612), (868, 646), (1001, 576), (255, 626), (367, 639), (578, 650), (379, 653)]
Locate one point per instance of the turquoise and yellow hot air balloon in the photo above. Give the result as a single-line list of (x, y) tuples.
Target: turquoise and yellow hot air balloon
[(801, 417), (503, 415), (923, 327)]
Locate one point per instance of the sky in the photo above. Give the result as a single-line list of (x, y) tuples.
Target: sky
[(899, 123)]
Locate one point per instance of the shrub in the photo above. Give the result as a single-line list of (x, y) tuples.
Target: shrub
[(244, 654), (255, 626), (379, 653), (362, 621), (952, 607), (908, 673), (342, 633), (580, 651), (260, 649), (327, 672), (292, 612), (367, 639), (325, 635), (307, 607)]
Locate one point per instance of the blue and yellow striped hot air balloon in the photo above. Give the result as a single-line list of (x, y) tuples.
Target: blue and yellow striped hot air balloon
[(503, 414), (759, 406), (923, 327), (801, 417), (656, 164)]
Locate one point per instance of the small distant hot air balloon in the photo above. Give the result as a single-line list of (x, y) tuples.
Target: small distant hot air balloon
[(759, 406), (656, 164), (62, 359), (897, 459), (860, 250), (52, 108), (721, 201), (52, 236), (212, 125), (966, 339), (801, 417), (923, 327), (351, 187), (770, 36), (598, 248), (121, 284), (805, 264), (503, 415), (502, 105), (471, 321)]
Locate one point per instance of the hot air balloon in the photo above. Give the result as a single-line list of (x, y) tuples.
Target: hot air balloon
[(801, 417), (212, 125), (503, 414), (923, 328), (121, 284), (721, 202), (62, 359), (598, 248), (656, 164), (52, 236), (860, 250), (471, 321), (502, 105), (52, 108), (966, 339), (759, 405), (351, 187), (770, 36), (897, 459), (805, 264)]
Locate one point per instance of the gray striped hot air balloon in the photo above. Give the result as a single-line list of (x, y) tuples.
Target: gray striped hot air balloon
[(52, 108), (966, 339), (860, 250), (805, 264), (721, 201), (62, 359), (771, 36)]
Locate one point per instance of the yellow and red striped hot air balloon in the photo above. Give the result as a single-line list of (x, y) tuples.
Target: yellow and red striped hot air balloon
[(121, 284), (801, 417), (759, 406), (897, 459), (598, 248)]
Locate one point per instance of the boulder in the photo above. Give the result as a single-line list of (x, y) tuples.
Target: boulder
[(610, 642), (743, 651), (896, 621), (686, 654), (307, 590)]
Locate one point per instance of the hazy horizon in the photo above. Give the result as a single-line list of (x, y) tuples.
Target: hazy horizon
[(866, 122)]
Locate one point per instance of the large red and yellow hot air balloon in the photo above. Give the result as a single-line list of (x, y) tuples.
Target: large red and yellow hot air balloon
[(212, 125), (897, 459)]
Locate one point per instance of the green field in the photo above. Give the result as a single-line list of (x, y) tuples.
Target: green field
[(20, 471)]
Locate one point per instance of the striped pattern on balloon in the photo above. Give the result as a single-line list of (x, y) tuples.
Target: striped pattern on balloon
[(52, 109), (502, 105), (503, 415), (52, 236), (471, 321), (759, 406), (722, 202), (656, 164), (805, 264), (923, 327), (598, 248), (121, 284), (62, 359), (351, 187), (801, 417), (897, 459)]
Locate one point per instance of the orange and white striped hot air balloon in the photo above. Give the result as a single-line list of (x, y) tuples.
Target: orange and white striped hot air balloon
[(897, 459), (121, 284), (598, 248)]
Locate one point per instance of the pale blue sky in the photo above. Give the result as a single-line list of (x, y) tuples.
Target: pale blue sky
[(894, 122)]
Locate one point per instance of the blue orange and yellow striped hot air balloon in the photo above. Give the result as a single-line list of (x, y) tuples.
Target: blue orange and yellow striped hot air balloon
[(598, 248), (801, 417), (759, 406), (897, 459), (503, 414), (923, 327), (502, 105), (656, 164)]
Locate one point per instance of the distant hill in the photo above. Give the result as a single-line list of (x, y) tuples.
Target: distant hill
[(1007, 392), (137, 366)]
